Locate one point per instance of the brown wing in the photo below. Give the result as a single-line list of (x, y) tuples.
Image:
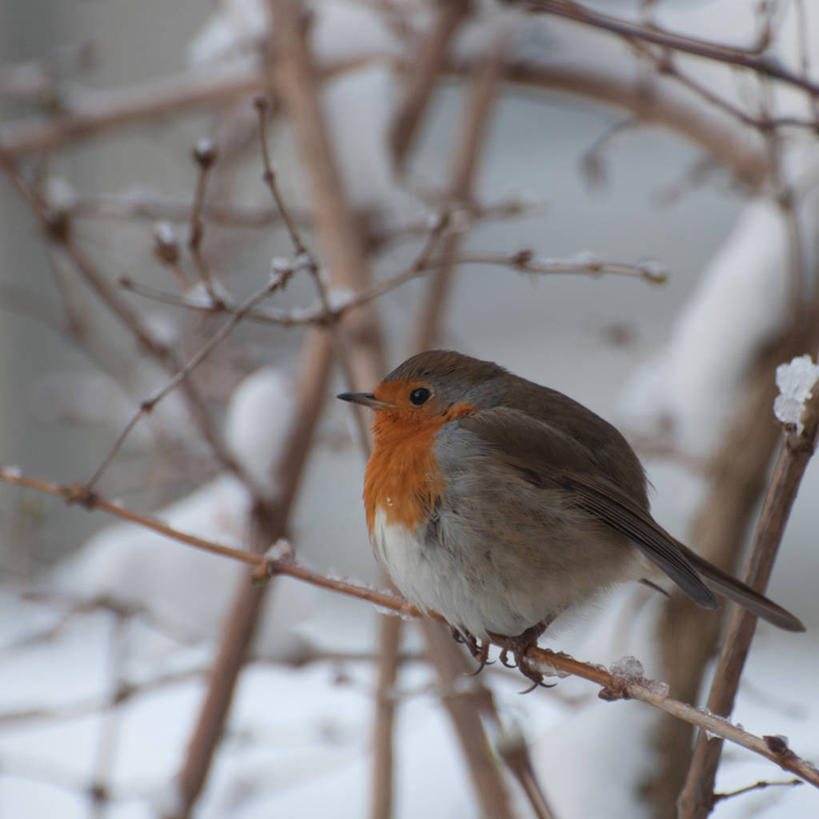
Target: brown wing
[(546, 456)]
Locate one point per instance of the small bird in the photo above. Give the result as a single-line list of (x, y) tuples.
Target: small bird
[(499, 504)]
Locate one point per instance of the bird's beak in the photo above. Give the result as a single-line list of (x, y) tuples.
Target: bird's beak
[(366, 399)]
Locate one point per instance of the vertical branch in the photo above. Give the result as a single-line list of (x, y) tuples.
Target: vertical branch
[(697, 797), (345, 260), (390, 629), (205, 155), (342, 249), (426, 71), (469, 146), (465, 710), (269, 524), (688, 636)]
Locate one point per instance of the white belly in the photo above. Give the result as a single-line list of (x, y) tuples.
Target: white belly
[(431, 579)]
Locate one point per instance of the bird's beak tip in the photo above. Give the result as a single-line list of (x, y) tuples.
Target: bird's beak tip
[(366, 399)]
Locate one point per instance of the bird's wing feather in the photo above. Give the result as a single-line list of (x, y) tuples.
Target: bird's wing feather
[(534, 448)]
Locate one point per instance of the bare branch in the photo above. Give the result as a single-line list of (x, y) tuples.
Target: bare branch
[(697, 797), (731, 55), (614, 686)]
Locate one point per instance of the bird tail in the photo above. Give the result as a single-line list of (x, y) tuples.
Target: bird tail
[(741, 593)]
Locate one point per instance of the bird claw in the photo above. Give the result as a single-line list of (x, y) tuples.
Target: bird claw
[(518, 646), (478, 649)]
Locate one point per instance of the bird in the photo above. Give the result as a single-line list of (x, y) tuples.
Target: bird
[(500, 504)]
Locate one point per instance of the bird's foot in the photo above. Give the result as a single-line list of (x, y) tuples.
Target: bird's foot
[(478, 649), (517, 647)]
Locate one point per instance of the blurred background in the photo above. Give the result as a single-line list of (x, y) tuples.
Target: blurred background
[(131, 128)]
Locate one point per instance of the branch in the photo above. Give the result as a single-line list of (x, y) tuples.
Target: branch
[(730, 55), (697, 797), (424, 76), (614, 685)]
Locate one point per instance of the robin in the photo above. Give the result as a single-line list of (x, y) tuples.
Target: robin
[(500, 504)]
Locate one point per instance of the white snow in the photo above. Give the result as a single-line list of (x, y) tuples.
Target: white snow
[(257, 422), (796, 381)]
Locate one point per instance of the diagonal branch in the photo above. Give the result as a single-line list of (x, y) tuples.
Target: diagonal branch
[(697, 797), (614, 685)]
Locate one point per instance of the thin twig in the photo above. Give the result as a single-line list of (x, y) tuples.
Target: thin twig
[(90, 112), (269, 176), (762, 64), (147, 405), (427, 260), (757, 786), (205, 155), (57, 227)]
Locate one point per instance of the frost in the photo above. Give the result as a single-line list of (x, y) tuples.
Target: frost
[(338, 298), (550, 671), (198, 294), (795, 381), (658, 688), (280, 550), (229, 31), (59, 193), (165, 233), (586, 258), (435, 221), (304, 261), (279, 266), (628, 668), (163, 327)]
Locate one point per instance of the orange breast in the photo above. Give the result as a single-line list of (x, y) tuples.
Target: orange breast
[(402, 475)]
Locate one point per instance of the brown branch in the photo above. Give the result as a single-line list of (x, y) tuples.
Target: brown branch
[(473, 126), (57, 227), (92, 112), (523, 261), (389, 642), (147, 405), (730, 55), (465, 708), (269, 523), (205, 155), (270, 180), (697, 797), (615, 687), (757, 786), (737, 473), (424, 74), (726, 142), (294, 78)]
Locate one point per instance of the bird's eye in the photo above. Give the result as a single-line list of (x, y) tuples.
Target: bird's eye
[(419, 396)]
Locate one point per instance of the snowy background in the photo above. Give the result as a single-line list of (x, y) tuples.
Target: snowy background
[(299, 729)]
